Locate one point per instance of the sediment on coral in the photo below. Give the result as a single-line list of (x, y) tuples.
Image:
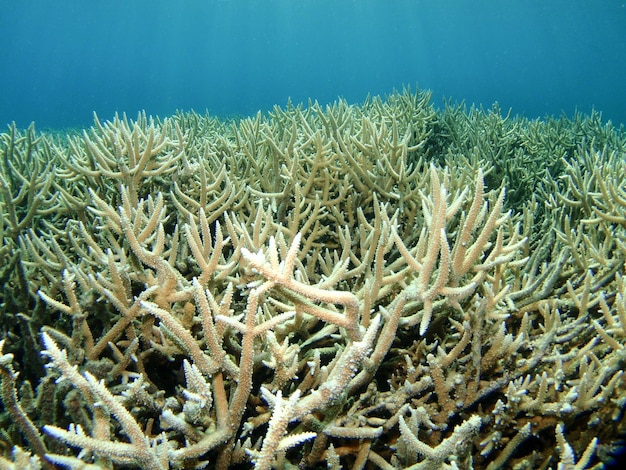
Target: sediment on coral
[(385, 285)]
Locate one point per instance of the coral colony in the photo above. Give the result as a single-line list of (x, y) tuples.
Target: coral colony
[(382, 286)]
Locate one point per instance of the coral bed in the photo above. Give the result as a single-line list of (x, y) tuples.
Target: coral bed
[(318, 287)]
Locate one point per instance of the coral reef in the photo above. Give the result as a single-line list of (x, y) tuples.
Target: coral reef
[(377, 286)]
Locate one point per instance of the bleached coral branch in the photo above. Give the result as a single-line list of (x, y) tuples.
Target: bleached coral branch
[(442, 272), (449, 448), (275, 440), (140, 450), (568, 459), (281, 273)]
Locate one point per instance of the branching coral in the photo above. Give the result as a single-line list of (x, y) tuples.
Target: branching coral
[(319, 287)]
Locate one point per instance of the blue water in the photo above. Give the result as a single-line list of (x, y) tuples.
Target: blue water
[(62, 60)]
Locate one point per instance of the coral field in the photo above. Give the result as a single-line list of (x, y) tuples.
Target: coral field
[(387, 285)]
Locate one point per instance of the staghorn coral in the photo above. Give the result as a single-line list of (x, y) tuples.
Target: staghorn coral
[(319, 287)]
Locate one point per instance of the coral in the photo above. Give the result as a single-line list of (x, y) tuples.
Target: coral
[(376, 286)]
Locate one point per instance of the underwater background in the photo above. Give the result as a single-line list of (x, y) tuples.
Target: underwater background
[(63, 60)]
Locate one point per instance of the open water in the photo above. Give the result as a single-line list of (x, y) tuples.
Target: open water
[(63, 60)]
